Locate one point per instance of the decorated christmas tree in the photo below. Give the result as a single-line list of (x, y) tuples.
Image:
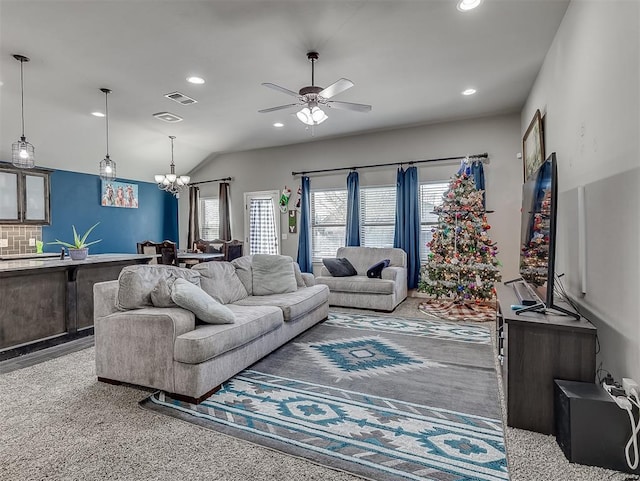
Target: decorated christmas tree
[(462, 264)]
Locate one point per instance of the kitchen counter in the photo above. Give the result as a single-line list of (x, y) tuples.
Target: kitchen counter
[(46, 301), (7, 266)]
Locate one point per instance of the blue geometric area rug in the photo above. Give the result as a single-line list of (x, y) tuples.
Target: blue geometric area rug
[(380, 397)]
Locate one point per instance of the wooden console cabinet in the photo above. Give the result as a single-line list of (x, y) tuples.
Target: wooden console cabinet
[(534, 349)]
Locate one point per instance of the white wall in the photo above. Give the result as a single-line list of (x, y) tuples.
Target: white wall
[(268, 169), (588, 92)]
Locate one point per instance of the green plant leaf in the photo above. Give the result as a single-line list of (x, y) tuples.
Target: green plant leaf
[(78, 242), (86, 234)]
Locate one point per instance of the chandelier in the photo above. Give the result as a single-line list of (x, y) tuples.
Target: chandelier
[(171, 182), (22, 152), (107, 166)]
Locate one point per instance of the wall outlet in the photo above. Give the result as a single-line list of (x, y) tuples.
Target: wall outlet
[(32, 241), (284, 236), (4, 242)]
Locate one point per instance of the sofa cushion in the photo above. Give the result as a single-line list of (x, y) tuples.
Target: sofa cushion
[(358, 284), (375, 271), (205, 307), (339, 267), (161, 294), (293, 304), (298, 273), (244, 272), (135, 283), (220, 281), (273, 274), (209, 340)]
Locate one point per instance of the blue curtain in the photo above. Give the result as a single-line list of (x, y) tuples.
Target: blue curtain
[(353, 210), (476, 169), (304, 238), (407, 231)]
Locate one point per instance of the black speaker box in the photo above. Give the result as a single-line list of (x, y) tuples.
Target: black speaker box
[(590, 427)]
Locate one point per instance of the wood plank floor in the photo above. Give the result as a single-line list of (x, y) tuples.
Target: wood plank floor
[(45, 354)]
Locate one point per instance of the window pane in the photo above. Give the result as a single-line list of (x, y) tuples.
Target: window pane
[(430, 197), (377, 216), (328, 220), (209, 219)]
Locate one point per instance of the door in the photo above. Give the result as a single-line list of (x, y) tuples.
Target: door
[(262, 222)]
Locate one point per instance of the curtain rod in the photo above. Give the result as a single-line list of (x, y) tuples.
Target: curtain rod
[(224, 179), (409, 162)]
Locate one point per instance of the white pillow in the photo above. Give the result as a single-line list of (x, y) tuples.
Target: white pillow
[(205, 307)]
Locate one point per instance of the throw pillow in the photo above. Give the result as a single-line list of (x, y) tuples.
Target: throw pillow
[(339, 267), (220, 281), (161, 294), (273, 274), (375, 271), (135, 283), (205, 307), (298, 274)]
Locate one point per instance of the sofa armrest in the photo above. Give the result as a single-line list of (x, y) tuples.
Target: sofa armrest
[(137, 346), (308, 279), (394, 273), (105, 295), (325, 272)]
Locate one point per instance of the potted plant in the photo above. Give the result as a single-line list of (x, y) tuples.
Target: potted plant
[(80, 248)]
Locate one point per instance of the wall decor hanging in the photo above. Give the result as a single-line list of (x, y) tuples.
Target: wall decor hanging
[(119, 194)]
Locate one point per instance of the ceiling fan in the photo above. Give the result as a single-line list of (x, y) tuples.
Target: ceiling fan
[(312, 97)]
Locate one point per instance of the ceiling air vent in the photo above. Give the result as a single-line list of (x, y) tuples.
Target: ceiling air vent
[(168, 117), (181, 98)]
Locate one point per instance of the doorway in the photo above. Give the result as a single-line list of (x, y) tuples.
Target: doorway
[(262, 222)]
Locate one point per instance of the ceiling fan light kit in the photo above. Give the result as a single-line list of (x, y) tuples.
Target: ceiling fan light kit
[(312, 98), (22, 152)]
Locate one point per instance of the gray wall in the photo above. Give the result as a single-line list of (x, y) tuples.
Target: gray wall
[(270, 169), (587, 91)]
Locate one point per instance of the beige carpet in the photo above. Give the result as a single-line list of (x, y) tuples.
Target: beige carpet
[(58, 423)]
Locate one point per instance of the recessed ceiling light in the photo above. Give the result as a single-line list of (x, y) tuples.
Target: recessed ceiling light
[(278, 124), (97, 114), (195, 80), (466, 5), (469, 92)]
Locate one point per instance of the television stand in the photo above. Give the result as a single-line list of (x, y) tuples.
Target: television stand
[(535, 348), (530, 302)]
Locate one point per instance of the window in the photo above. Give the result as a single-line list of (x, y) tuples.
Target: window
[(209, 218), (328, 220), (430, 197), (377, 216)]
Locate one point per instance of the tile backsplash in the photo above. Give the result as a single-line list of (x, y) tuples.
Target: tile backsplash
[(18, 237)]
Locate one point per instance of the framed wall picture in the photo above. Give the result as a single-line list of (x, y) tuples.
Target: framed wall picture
[(119, 194), (533, 146)]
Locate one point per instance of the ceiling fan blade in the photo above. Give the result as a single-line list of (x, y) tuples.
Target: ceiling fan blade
[(280, 107), (334, 104), (281, 89), (336, 88)]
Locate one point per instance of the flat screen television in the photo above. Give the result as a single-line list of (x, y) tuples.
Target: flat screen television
[(538, 234)]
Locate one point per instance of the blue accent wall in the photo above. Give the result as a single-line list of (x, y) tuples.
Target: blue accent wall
[(75, 200)]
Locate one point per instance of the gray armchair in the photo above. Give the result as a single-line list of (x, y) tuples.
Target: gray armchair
[(363, 292)]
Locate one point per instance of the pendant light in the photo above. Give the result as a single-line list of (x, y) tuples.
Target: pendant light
[(22, 152), (107, 166), (171, 182)]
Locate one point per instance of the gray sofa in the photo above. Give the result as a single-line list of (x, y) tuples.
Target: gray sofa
[(165, 348), (362, 292)]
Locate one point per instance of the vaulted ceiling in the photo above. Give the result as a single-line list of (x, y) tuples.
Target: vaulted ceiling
[(409, 59)]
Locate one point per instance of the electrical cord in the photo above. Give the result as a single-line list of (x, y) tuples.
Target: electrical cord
[(635, 429)]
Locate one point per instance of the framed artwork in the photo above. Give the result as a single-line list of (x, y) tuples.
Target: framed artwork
[(533, 146), (119, 194)]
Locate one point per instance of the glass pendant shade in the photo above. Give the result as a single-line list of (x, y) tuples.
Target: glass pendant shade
[(171, 182), (107, 169), (22, 152), (107, 166)]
